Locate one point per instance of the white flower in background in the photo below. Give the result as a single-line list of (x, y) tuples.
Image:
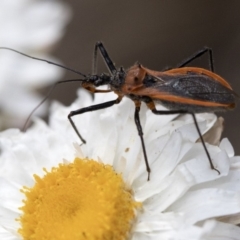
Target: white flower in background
[(110, 197), (33, 27)]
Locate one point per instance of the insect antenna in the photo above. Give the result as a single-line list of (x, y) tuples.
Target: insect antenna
[(46, 97), (44, 60), (53, 86)]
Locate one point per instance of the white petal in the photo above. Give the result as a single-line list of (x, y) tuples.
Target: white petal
[(10, 196), (227, 146), (206, 203)]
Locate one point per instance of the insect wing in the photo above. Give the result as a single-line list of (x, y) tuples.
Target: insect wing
[(190, 90)]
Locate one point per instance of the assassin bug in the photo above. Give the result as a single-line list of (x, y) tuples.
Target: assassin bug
[(182, 90)]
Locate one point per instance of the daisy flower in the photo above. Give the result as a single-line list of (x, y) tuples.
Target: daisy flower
[(53, 187), (33, 27)]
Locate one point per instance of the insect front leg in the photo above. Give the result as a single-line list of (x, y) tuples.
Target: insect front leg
[(92, 89), (197, 55), (152, 107), (140, 133), (89, 109), (105, 57)]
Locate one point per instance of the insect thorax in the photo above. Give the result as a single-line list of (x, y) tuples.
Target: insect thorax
[(117, 80)]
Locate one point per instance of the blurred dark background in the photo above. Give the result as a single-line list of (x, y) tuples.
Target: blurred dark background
[(157, 33)]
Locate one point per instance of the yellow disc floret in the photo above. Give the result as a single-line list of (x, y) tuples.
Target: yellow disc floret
[(80, 200)]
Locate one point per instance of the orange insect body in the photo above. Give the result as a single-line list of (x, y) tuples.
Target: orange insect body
[(182, 90), (140, 81)]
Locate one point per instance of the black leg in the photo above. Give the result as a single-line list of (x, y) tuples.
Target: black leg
[(159, 112), (197, 55), (203, 143), (105, 57), (140, 133), (89, 109)]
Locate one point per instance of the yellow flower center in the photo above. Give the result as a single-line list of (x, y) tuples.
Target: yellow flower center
[(80, 200)]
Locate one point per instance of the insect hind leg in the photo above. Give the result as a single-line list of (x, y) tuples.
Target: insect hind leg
[(203, 143), (152, 107), (197, 55)]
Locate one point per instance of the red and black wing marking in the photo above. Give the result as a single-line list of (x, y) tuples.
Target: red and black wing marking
[(192, 89)]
